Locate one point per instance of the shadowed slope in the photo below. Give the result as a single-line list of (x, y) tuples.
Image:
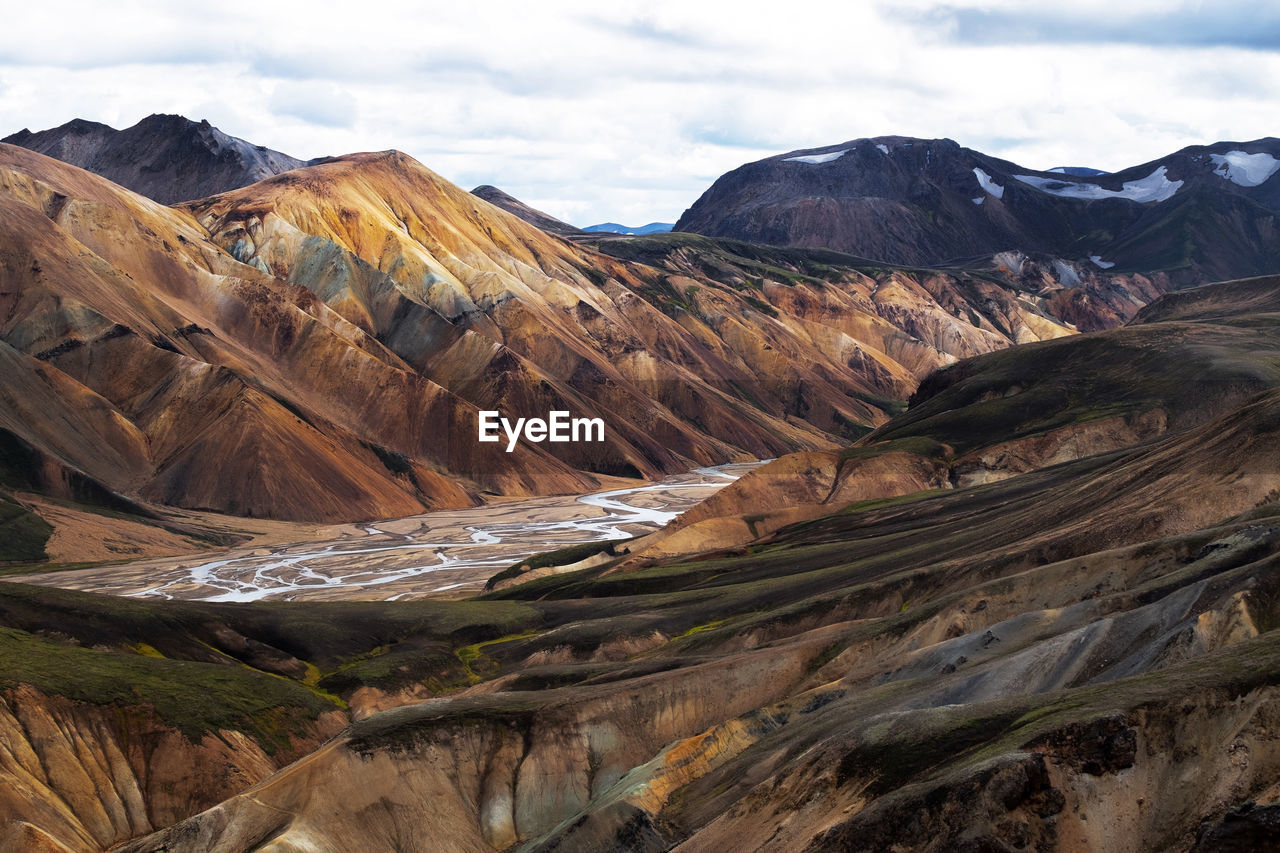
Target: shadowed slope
[(1187, 358)]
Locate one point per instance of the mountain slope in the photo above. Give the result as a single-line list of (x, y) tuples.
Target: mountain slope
[(500, 312), (1024, 663), (921, 201), (1186, 359), (195, 380), (164, 157), (491, 308), (440, 305), (516, 207)]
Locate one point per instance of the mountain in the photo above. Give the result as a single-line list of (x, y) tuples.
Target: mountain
[(999, 615), (164, 157), (317, 346), (615, 228), (143, 358), (512, 318), (1200, 214), (533, 216), (506, 316), (999, 663)]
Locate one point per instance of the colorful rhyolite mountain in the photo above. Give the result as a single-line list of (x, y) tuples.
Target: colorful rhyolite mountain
[(318, 345), (1038, 610)]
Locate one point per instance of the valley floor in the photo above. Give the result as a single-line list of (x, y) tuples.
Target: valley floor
[(436, 555)]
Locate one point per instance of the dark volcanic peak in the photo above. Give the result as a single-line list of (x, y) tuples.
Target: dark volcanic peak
[(918, 201), (166, 157), (532, 215)]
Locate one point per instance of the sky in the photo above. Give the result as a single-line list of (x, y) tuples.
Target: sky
[(627, 111)]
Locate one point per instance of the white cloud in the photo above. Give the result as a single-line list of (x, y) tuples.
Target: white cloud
[(624, 111), (315, 103)]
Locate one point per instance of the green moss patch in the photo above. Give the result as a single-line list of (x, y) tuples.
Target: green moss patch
[(23, 533), (196, 698)]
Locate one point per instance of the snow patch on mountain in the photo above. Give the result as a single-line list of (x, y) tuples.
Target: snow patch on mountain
[(1106, 265), (987, 183), (1067, 273), (1076, 171), (1154, 187), (1247, 170), (979, 200), (1010, 260), (820, 158), (883, 148)]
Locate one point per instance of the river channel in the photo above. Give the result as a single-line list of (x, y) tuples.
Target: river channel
[(436, 555)]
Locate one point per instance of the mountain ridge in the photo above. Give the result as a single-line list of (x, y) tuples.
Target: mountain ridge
[(242, 318), (693, 351), (934, 202), (533, 216), (168, 158)]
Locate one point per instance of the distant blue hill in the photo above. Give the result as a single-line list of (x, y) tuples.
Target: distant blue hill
[(615, 228)]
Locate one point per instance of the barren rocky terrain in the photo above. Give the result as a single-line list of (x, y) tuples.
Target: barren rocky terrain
[(1075, 650)]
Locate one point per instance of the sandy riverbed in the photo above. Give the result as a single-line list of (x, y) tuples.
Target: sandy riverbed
[(436, 555)]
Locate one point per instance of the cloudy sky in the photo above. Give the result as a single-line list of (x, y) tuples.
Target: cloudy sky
[(627, 111)]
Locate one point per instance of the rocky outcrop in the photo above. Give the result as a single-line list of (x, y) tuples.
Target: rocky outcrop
[(80, 777), (511, 772), (1067, 444)]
